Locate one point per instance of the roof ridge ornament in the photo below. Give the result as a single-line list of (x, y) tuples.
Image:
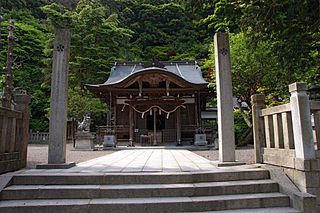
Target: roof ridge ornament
[(153, 63)]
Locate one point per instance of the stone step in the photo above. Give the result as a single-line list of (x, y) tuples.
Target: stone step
[(156, 204), (258, 210), (16, 192), (136, 178)]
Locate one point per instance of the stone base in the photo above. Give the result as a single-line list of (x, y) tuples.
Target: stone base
[(84, 141), (109, 141), (224, 164), (56, 166), (201, 143), (110, 148)]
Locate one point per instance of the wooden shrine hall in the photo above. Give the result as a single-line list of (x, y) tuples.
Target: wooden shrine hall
[(153, 102)]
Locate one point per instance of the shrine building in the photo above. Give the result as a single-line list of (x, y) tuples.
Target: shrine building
[(161, 99)]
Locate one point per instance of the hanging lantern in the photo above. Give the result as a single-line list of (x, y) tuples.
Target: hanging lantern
[(150, 111)]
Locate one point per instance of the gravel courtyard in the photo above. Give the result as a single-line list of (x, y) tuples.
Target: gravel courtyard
[(39, 154)]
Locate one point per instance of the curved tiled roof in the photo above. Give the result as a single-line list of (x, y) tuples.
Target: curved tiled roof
[(187, 70)]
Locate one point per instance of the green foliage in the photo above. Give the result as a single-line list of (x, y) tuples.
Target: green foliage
[(272, 43), (2, 78), (255, 69), (32, 5), (28, 52), (58, 16), (161, 27), (39, 108), (96, 40), (81, 101), (240, 126), (291, 29)]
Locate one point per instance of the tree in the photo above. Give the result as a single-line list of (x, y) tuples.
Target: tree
[(96, 39), (290, 27), (81, 102), (28, 61)]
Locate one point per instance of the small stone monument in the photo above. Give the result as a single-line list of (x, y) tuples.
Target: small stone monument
[(200, 140), (109, 141), (84, 138)]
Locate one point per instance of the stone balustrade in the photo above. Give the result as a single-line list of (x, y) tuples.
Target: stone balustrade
[(288, 136), (279, 130), (38, 137)]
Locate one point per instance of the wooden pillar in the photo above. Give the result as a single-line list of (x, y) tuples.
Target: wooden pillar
[(196, 111), (199, 111), (154, 127), (109, 112), (130, 127), (178, 127), (115, 111), (108, 123)]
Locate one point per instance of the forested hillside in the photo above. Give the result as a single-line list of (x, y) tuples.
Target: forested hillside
[(273, 43)]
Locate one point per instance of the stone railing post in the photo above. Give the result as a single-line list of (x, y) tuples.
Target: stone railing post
[(301, 121), (22, 105), (258, 125)]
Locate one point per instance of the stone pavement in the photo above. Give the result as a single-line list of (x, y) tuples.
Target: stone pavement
[(140, 160)]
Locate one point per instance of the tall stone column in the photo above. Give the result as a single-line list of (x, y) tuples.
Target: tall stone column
[(225, 98), (301, 121), (58, 102)]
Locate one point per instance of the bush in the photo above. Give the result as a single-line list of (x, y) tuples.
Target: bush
[(240, 126)]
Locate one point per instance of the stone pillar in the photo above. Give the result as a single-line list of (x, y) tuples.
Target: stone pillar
[(225, 98), (301, 121), (58, 101), (22, 105), (130, 127), (178, 127), (258, 125)]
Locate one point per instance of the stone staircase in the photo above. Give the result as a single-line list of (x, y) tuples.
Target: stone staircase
[(246, 190)]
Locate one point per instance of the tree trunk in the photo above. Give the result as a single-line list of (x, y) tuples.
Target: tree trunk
[(243, 114)]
